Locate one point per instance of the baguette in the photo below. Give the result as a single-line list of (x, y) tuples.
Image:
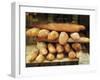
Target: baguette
[(84, 39), (40, 58), (33, 32), (59, 48), (67, 48), (43, 34), (43, 51), (41, 45), (53, 35), (71, 55), (75, 36), (31, 57), (50, 56), (76, 46), (51, 48), (65, 27), (63, 38), (81, 40), (60, 56)]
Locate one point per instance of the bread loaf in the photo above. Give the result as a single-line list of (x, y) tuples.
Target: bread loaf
[(51, 48), (65, 27), (67, 48), (33, 32), (76, 46), (60, 56), (63, 38), (43, 33), (75, 36), (59, 48), (31, 57), (71, 55), (50, 57), (40, 58), (53, 35), (43, 51)]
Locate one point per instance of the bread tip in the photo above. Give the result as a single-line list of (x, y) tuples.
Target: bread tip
[(82, 27)]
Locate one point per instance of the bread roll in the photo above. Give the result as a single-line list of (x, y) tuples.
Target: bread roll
[(67, 48), (50, 57), (63, 38), (60, 56), (59, 48), (33, 32), (65, 27), (43, 33), (40, 58), (51, 48), (53, 35), (75, 36), (43, 51), (71, 55), (76, 46)]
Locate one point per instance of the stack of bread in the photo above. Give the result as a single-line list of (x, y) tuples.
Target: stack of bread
[(55, 41)]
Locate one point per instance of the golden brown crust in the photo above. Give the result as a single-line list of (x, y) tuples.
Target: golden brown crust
[(75, 36), (40, 58), (63, 37), (51, 48), (33, 32), (53, 35), (65, 27), (50, 57), (31, 57), (76, 46), (59, 48), (67, 48), (43, 33), (71, 55), (43, 51), (60, 56)]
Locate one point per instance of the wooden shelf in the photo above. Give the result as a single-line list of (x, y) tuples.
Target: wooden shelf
[(65, 61), (81, 40)]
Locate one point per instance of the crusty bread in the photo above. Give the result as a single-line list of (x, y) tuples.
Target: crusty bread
[(59, 48), (51, 48), (63, 37), (65, 27)]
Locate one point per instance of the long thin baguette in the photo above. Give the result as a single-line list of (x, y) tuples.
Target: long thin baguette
[(66, 27)]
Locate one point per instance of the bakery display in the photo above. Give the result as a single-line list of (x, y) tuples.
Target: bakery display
[(56, 42), (51, 45)]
